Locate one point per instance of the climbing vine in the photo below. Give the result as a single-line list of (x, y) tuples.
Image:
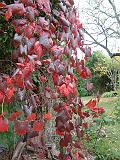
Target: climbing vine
[(46, 37)]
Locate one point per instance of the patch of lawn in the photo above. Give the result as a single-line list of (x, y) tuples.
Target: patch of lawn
[(9, 139), (106, 146)]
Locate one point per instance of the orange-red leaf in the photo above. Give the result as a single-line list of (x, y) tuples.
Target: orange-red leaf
[(2, 4), (14, 115), (3, 125), (31, 117), (91, 104), (8, 14), (9, 81), (47, 116), (59, 133), (38, 126), (38, 49), (10, 92)]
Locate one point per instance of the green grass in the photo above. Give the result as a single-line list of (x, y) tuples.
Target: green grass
[(106, 147), (9, 139)]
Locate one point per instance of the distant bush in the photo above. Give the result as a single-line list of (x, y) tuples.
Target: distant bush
[(109, 94)]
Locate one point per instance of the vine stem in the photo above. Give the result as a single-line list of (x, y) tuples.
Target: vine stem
[(2, 105)]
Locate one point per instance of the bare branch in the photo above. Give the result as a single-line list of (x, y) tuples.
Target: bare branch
[(115, 11), (115, 54), (110, 54), (103, 24)]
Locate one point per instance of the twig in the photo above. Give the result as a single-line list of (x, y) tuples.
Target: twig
[(18, 151)]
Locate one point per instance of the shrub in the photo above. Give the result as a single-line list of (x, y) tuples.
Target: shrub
[(109, 94)]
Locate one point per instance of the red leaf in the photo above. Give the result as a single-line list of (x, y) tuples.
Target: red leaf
[(55, 78), (56, 50), (3, 125), (41, 154), (59, 133), (21, 127), (44, 5), (87, 137), (84, 125), (98, 110), (67, 139), (14, 115), (62, 142), (86, 73), (63, 116), (63, 90), (28, 2), (86, 114), (47, 116), (83, 74), (1, 31), (31, 117), (10, 93), (2, 4), (81, 155), (8, 14), (67, 157), (42, 79), (79, 132), (17, 8), (74, 110), (77, 144), (38, 49), (61, 156), (59, 125), (76, 155), (38, 126), (57, 108), (19, 80), (69, 126), (9, 81), (91, 104), (28, 31)]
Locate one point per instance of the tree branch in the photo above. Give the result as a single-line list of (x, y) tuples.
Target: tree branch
[(115, 11), (98, 43), (115, 54)]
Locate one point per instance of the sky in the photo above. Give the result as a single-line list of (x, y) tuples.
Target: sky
[(114, 44)]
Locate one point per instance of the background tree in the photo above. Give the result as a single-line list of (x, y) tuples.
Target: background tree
[(102, 22), (98, 65), (101, 79)]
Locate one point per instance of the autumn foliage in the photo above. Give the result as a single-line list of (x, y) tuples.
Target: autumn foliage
[(46, 39)]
